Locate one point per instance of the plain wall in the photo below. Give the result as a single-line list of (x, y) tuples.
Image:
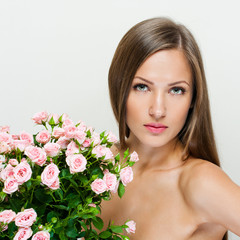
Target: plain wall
[(55, 55)]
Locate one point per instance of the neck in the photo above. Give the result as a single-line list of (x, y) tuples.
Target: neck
[(165, 157)]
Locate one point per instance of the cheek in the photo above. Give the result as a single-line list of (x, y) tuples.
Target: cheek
[(132, 111)]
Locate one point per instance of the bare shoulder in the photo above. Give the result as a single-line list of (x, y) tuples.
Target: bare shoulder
[(201, 176), (209, 191)]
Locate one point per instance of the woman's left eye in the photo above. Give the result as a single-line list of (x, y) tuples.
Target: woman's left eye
[(177, 90)]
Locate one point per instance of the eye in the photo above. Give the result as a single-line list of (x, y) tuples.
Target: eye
[(177, 91), (140, 87)]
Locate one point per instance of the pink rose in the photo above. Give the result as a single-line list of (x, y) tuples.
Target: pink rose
[(23, 233), (15, 137), (82, 126), (52, 149), (40, 117), (131, 226), (5, 129), (43, 136), (13, 162), (95, 138), (5, 137), (7, 216), (86, 143), (64, 117), (134, 157), (99, 186), (4, 147), (50, 174), (7, 172), (20, 144), (92, 205), (72, 148), (70, 131), (42, 235), (67, 122), (80, 136), (55, 118), (27, 137), (55, 185), (10, 185), (126, 175), (26, 218), (58, 132), (36, 154), (22, 172), (101, 151), (111, 137), (111, 181), (76, 162), (63, 142)]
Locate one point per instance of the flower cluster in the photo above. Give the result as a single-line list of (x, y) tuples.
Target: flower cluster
[(52, 183)]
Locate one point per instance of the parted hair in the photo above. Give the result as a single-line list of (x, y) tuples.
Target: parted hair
[(140, 42)]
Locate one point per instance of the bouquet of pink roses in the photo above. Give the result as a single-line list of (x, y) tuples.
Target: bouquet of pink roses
[(52, 183)]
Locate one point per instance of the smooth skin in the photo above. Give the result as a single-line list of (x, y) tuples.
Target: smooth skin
[(170, 198)]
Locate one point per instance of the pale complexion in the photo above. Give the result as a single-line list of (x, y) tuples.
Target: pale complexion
[(170, 198)]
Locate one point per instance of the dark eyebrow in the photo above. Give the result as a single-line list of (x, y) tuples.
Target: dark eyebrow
[(174, 83), (145, 80), (170, 84)]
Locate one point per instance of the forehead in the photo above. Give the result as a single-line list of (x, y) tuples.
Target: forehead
[(166, 65)]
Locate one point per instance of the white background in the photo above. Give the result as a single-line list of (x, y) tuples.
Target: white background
[(55, 55)]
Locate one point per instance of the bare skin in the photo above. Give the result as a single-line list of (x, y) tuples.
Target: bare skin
[(167, 203), (170, 199)]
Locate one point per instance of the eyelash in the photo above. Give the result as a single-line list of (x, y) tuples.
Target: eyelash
[(139, 87), (176, 89)]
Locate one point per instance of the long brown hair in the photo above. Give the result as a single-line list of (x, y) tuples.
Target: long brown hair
[(140, 42)]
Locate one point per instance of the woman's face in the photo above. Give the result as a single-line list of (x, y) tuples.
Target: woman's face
[(159, 98)]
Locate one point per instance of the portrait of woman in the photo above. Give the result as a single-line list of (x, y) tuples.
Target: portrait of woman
[(163, 76), (159, 97)]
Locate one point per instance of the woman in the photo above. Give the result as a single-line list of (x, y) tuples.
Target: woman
[(159, 97)]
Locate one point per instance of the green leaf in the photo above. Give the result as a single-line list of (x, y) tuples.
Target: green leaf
[(83, 224), (74, 202), (98, 223), (83, 179), (72, 233), (61, 207), (102, 134), (51, 215), (117, 238), (11, 229), (116, 229), (28, 184), (105, 234), (130, 164), (41, 196), (2, 196), (121, 189), (117, 157), (62, 235), (97, 171), (59, 193), (51, 122), (65, 173), (73, 182), (126, 153)]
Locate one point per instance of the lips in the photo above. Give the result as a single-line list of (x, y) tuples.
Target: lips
[(155, 127)]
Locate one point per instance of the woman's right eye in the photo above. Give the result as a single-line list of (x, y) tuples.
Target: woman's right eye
[(140, 87)]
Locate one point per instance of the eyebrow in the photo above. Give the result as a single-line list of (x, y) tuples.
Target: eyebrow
[(170, 84)]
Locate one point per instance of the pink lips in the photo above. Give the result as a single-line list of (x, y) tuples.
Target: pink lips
[(155, 127)]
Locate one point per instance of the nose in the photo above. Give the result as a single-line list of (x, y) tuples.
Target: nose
[(157, 107)]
